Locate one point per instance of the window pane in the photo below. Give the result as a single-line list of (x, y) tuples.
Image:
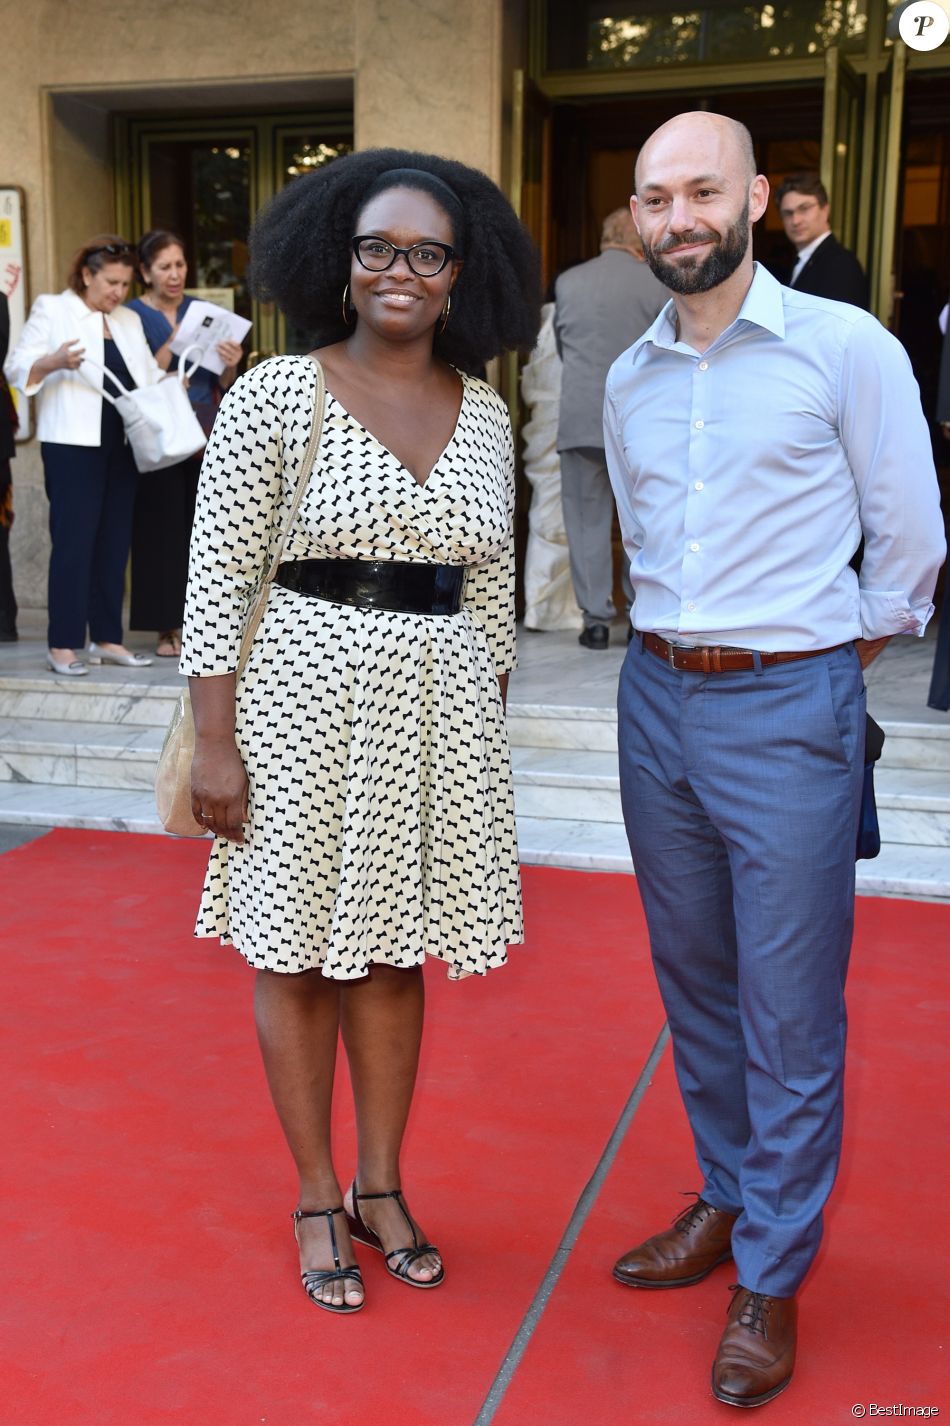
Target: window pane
[(299, 153), (201, 188), (667, 32)]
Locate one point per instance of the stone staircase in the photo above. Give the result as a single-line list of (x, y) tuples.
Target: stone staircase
[(83, 753), (568, 799)]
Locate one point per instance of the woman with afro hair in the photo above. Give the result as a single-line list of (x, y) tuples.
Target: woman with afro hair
[(356, 774)]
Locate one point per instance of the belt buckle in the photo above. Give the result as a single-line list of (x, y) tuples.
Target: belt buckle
[(671, 654)]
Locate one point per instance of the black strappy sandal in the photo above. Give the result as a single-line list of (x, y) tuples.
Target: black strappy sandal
[(315, 1278), (400, 1260)]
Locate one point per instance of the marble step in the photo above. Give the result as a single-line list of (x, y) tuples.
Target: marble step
[(106, 696), (909, 744), (579, 786), (922, 873), (109, 809), (75, 754), (916, 745)]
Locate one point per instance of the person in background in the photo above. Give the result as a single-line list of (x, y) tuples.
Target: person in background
[(91, 477), (549, 601), (165, 503), (601, 306), (8, 425), (822, 266), (939, 695)]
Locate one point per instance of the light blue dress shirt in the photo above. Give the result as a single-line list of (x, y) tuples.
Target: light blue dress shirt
[(745, 476)]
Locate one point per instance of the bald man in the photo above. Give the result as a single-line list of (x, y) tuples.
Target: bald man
[(753, 434), (601, 307)]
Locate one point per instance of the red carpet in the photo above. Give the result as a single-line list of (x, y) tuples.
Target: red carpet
[(874, 1310), (150, 1262)]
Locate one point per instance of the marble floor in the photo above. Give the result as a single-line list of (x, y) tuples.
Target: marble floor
[(553, 671), (79, 753)]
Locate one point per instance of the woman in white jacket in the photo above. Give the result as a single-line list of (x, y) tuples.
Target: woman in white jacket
[(90, 474)]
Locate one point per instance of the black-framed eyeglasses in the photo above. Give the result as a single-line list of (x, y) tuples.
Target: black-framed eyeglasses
[(424, 259), (111, 250)]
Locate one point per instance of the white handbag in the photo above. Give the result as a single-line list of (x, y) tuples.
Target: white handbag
[(160, 422)]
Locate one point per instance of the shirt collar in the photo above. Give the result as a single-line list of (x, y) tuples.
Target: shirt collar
[(762, 306), (79, 307), (805, 253)]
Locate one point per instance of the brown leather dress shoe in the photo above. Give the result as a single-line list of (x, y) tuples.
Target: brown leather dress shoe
[(756, 1356), (686, 1253)]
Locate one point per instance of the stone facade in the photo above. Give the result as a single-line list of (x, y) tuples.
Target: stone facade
[(430, 74)]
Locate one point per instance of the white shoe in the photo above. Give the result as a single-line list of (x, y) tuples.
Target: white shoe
[(69, 670), (97, 655)]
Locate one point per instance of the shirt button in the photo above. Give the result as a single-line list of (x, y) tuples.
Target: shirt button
[(699, 485), (691, 606), (699, 425), (694, 547), (703, 365)]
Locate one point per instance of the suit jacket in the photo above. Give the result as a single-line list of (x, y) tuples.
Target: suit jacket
[(7, 412), (943, 390), (69, 404), (831, 271), (601, 308)]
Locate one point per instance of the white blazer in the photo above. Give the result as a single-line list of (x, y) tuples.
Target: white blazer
[(69, 409)]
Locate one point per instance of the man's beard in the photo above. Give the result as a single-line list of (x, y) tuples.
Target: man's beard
[(691, 274)]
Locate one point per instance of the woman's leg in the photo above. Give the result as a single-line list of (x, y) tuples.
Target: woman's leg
[(161, 530), (297, 1025), (113, 541), (75, 486), (381, 1019)]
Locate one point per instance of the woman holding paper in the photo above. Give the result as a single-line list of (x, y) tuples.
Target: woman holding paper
[(165, 505), (91, 478)]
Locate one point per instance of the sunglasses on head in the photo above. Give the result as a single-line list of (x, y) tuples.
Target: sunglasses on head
[(111, 249)]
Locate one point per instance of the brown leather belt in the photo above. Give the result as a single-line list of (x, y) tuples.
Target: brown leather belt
[(720, 659)]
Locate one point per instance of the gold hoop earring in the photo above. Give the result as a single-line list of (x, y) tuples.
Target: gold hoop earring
[(445, 314), (347, 321)]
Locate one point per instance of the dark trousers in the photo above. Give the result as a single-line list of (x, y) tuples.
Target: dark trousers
[(161, 531), (8, 606), (939, 695), (91, 491)]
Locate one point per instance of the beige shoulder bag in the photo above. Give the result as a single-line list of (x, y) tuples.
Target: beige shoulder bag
[(173, 775)]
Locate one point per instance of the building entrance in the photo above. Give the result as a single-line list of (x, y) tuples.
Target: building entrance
[(595, 146), (205, 178), (866, 113)]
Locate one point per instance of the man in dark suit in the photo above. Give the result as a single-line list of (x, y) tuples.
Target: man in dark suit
[(8, 424), (601, 307), (822, 267)]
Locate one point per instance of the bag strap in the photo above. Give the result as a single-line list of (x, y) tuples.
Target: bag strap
[(310, 455), (89, 361), (185, 373)]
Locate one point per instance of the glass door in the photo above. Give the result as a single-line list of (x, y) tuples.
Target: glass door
[(205, 179), (890, 122), (841, 146)]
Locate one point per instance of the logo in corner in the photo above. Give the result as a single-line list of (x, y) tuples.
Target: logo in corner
[(924, 25)]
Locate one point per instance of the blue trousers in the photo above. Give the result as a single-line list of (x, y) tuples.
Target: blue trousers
[(91, 492), (741, 794)]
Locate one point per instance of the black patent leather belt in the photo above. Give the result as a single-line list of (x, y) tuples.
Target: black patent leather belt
[(396, 586)]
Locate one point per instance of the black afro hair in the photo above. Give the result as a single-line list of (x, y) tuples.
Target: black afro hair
[(300, 254)]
